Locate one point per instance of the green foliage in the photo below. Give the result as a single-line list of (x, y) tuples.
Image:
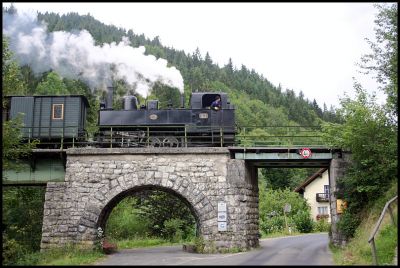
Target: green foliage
[(199, 244), (12, 250), (273, 224), (52, 84), (167, 96), (139, 242), (13, 146), (272, 216), (372, 140), (369, 130), (22, 212), (386, 241), (68, 255), (322, 225), (125, 222), (12, 82), (303, 221), (348, 223), (280, 178), (173, 229), (358, 251), (159, 207), (384, 56), (151, 214)]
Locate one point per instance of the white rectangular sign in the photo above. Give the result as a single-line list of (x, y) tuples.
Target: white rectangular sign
[(221, 226), (221, 206), (221, 216)]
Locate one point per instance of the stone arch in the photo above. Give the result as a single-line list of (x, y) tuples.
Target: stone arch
[(101, 203), (106, 211)]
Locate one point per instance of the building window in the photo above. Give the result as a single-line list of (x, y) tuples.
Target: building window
[(322, 210), (326, 189), (58, 111)]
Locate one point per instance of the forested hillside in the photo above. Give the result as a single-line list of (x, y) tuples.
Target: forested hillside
[(258, 101)]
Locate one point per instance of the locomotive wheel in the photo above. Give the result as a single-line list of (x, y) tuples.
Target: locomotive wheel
[(170, 142), (154, 142)]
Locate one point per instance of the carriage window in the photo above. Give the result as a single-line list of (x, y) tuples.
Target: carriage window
[(58, 111)]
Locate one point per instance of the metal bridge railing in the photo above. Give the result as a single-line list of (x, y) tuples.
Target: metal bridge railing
[(371, 239), (166, 136), (279, 136), (179, 136)]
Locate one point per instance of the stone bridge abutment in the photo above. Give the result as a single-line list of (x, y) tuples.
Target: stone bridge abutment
[(97, 179)]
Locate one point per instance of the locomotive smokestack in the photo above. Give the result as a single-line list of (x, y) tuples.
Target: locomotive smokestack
[(182, 100), (110, 91)]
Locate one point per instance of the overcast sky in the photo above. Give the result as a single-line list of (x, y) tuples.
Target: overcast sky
[(312, 47)]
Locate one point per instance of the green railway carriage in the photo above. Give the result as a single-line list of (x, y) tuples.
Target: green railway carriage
[(49, 118)]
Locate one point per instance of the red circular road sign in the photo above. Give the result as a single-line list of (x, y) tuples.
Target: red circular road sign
[(305, 152)]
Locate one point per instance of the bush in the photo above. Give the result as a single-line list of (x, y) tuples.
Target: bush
[(12, 251), (173, 229), (273, 224), (322, 225), (303, 221), (271, 205), (348, 224)]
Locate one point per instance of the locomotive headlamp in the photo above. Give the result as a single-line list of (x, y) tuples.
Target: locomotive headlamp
[(203, 115)]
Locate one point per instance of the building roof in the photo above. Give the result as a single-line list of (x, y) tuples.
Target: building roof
[(310, 179), (85, 100)]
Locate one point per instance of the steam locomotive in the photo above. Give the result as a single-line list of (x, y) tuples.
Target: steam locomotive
[(62, 119)]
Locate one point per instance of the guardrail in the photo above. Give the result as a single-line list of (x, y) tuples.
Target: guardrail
[(279, 136), (371, 239), (166, 136), (180, 136)]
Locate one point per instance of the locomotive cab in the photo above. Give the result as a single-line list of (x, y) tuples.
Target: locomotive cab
[(203, 100)]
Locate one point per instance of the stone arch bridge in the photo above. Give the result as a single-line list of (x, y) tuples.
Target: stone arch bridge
[(220, 190)]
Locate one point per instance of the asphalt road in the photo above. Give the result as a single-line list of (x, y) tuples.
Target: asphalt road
[(309, 249)]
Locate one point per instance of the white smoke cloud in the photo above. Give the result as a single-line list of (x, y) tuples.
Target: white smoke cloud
[(75, 56)]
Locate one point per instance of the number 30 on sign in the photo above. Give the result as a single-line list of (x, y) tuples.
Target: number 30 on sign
[(305, 153)]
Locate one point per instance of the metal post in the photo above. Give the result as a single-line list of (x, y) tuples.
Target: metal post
[(185, 137), (148, 137), (29, 136), (222, 137), (111, 137), (62, 139), (73, 141), (244, 133), (374, 258)]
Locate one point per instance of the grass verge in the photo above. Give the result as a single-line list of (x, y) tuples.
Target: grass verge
[(63, 256), (358, 250), (142, 243)]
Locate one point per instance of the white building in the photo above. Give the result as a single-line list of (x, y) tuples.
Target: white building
[(316, 191)]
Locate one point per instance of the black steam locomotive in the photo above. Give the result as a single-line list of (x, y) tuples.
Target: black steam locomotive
[(55, 119)]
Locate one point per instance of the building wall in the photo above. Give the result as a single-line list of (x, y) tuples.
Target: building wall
[(317, 186)]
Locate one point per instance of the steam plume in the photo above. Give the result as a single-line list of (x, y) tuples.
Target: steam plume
[(75, 56)]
